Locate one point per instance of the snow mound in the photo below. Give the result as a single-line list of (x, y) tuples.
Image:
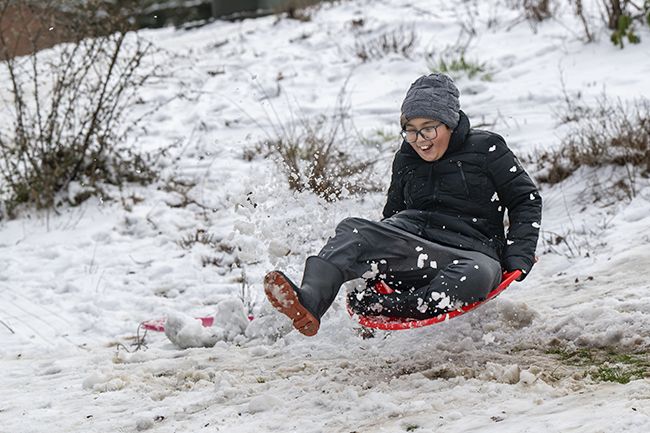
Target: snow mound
[(230, 323)]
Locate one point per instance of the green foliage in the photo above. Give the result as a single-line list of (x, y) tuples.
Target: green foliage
[(606, 366), (456, 64), (625, 29), (617, 373), (623, 22)]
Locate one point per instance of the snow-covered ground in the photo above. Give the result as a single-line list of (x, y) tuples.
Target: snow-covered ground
[(74, 285)]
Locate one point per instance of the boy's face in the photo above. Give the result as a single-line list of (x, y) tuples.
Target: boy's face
[(429, 149)]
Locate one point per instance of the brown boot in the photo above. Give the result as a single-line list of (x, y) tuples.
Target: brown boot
[(283, 295)]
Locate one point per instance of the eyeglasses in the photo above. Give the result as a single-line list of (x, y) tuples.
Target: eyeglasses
[(428, 133)]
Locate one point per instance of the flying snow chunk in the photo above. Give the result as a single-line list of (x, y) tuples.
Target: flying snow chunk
[(536, 225), (495, 197), (355, 231), (492, 148), (463, 278), (421, 259), (278, 248), (532, 196), (513, 169), (434, 264), (418, 249), (444, 302), (509, 242), (422, 306), (372, 273)]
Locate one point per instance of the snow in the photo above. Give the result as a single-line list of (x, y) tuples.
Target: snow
[(75, 284)]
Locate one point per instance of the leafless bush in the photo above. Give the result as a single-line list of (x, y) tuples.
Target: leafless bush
[(538, 10), (580, 13), (199, 236), (614, 10), (68, 115), (533, 10), (400, 41), (296, 9), (611, 133), (317, 155), (314, 161)]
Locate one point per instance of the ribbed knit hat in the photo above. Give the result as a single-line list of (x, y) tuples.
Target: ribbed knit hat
[(434, 97)]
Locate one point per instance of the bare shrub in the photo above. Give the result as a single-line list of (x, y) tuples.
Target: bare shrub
[(68, 116), (537, 10), (533, 10), (611, 133), (314, 160), (317, 155), (580, 13), (401, 41), (614, 10), (299, 10)]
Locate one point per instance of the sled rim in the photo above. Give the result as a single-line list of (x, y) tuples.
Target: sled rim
[(388, 323), (158, 325)]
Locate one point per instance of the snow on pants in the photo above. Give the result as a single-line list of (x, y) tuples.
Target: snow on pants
[(406, 262)]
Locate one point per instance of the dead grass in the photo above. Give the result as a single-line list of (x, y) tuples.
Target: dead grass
[(401, 41), (613, 133), (323, 154)]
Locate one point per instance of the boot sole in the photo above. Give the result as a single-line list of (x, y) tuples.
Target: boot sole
[(283, 297)]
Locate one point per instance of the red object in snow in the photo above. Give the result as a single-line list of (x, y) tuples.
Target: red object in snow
[(399, 323), (158, 325)]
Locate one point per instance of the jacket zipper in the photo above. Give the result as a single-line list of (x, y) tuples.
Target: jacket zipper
[(462, 175)]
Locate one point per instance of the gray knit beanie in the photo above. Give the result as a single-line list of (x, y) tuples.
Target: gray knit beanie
[(432, 96)]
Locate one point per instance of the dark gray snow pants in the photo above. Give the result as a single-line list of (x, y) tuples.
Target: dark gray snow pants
[(406, 262)]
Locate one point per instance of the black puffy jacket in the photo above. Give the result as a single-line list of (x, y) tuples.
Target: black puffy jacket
[(460, 199)]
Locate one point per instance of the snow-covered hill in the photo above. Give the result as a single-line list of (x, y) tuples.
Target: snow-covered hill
[(74, 285)]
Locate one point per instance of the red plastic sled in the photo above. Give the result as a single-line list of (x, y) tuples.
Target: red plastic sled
[(158, 325), (399, 323)]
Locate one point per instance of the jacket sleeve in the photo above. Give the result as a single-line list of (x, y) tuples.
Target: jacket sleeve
[(395, 198), (519, 195)]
